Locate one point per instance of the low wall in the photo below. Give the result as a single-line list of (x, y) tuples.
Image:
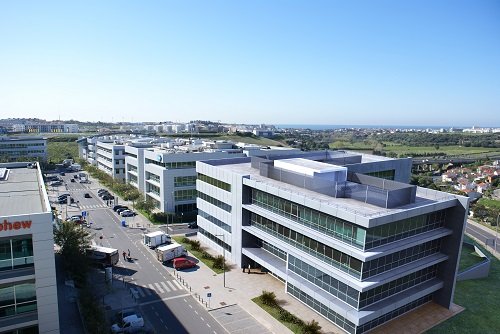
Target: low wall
[(480, 270)]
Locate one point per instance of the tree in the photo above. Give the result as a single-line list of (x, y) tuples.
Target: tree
[(73, 241), (132, 195), (145, 205), (311, 327)]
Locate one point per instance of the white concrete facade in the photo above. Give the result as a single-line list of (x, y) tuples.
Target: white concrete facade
[(30, 273), (15, 148)]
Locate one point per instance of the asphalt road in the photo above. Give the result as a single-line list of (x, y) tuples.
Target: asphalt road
[(165, 304), (486, 237)]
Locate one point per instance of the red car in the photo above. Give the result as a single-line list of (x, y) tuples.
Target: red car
[(183, 263)]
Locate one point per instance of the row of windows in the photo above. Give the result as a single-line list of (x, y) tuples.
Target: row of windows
[(215, 239), (16, 253), (131, 155), (26, 330), (151, 188), (131, 168), (185, 195), (383, 174), (330, 225), (327, 254), (405, 228), (17, 145), (17, 299), (333, 286), (214, 182), (391, 315), (391, 288), (397, 259), (184, 181), (153, 177), (173, 165), (156, 202), (214, 220), (14, 153), (334, 317), (188, 207), (107, 150), (132, 179), (214, 201), (103, 157), (345, 231), (273, 250)]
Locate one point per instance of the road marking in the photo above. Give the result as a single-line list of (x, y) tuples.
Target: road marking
[(171, 285), (202, 319), (159, 288), (165, 286), (164, 299), (191, 306), (196, 312), (151, 287), (157, 314), (209, 325), (178, 284)]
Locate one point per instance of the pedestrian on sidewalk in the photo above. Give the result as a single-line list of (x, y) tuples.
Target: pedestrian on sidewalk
[(124, 255), (128, 252), (249, 266)]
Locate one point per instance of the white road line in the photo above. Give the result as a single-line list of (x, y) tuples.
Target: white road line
[(196, 312), (202, 319), (178, 284), (159, 288), (164, 299), (191, 306), (165, 286), (151, 287), (171, 285), (209, 325), (157, 314)]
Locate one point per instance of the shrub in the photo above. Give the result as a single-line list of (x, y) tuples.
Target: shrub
[(186, 240), (311, 327), (269, 298), (206, 255), (218, 262), (195, 245)]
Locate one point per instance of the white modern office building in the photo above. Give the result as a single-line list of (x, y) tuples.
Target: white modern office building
[(345, 232), (28, 291), (23, 147), (163, 169)]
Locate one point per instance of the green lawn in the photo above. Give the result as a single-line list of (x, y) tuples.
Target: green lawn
[(490, 203), (198, 255), (468, 259), (250, 140), (58, 151), (275, 313), (481, 299)]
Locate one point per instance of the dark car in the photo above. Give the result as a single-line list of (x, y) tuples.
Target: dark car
[(87, 195), (73, 180), (102, 191), (193, 225), (62, 173), (120, 210), (108, 197), (119, 206), (127, 213)]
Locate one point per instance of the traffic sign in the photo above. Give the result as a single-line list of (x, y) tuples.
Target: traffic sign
[(84, 213), (209, 294)]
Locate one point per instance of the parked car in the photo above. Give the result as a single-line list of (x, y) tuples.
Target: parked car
[(183, 263), (56, 183), (63, 196), (120, 210), (119, 206), (87, 195), (62, 173), (128, 324), (193, 225), (84, 181), (75, 176), (73, 180), (100, 191), (107, 197), (75, 217), (127, 213)]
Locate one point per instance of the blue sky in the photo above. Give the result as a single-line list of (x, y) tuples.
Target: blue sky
[(293, 62)]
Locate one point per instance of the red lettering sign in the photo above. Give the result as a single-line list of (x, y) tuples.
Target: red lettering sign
[(23, 224)]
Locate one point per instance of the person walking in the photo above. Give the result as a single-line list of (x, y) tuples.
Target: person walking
[(128, 252), (124, 255)]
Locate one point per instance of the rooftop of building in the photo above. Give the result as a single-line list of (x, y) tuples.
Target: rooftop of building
[(21, 192), (423, 196)]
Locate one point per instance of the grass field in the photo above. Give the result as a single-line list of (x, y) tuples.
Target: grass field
[(481, 299), (443, 150), (250, 140), (274, 312), (58, 151), (490, 203), (198, 255)]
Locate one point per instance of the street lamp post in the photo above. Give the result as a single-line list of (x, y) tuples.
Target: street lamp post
[(223, 256)]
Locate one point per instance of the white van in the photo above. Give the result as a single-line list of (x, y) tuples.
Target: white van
[(129, 324)]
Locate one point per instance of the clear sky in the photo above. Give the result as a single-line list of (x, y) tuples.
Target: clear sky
[(294, 62)]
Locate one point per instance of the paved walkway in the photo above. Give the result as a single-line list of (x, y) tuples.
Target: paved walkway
[(487, 230)]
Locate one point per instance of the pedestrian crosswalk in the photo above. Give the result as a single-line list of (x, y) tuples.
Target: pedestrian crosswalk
[(158, 288), (94, 206)]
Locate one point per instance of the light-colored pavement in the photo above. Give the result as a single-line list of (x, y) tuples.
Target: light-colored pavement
[(489, 236)]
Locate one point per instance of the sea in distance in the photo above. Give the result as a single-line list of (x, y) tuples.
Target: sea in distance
[(333, 127)]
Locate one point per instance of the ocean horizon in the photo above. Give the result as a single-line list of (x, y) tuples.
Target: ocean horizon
[(342, 126)]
